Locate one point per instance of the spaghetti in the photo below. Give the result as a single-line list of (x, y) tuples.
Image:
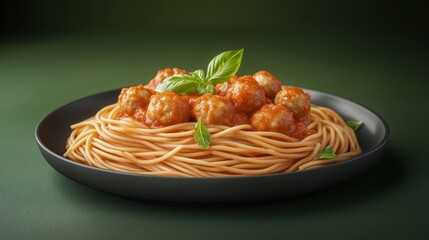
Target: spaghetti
[(212, 124), (124, 144)]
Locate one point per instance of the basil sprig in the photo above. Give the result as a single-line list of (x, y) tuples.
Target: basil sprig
[(202, 135), (328, 153), (220, 69)]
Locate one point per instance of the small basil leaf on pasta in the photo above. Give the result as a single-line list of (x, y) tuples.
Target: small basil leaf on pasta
[(328, 153), (224, 66), (329, 150), (202, 135), (355, 125), (181, 84)]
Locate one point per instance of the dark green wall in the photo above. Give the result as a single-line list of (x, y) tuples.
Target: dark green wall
[(214, 17)]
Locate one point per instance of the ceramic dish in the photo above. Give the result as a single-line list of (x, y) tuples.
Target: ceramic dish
[(54, 129)]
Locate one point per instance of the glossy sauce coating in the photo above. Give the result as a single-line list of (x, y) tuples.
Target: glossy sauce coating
[(222, 88), (299, 128), (213, 109), (246, 94), (294, 99), (271, 117), (240, 100), (190, 98), (269, 82), (133, 101), (166, 109)]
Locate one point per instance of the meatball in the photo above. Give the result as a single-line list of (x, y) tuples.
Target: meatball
[(274, 118), (246, 94), (269, 82), (163, 74), (213, 109), (166, 109), (133, 98), (240, 119), (294, 99), (222, 88)]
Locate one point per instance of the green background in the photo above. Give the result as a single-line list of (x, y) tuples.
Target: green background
[(372, 52)]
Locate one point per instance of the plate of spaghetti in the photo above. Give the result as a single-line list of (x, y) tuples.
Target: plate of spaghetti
[(211, 136)]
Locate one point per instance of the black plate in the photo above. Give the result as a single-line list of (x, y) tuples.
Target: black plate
[(53, 130)]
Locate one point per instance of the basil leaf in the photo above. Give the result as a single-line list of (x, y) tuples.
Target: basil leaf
[(224, 66), (354, 124), (202, 135), (181, 84), (198, 74), (328, 153), (206, 87), (329, 150)]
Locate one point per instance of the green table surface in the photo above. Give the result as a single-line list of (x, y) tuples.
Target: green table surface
[(388, 74)]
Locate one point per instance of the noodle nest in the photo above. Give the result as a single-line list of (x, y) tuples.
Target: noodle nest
[(126, 145)]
